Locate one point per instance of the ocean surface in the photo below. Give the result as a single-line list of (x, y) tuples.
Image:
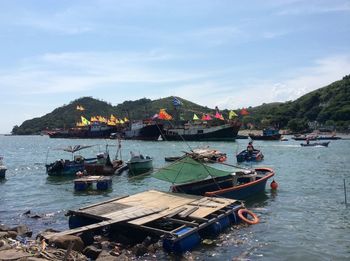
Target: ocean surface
[(306, 219)]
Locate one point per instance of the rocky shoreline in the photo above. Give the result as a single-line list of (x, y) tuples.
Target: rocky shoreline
[(16, 243)]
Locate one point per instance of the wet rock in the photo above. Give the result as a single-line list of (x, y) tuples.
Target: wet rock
[(46, 232), (36, 216), (139, 250), (13, 254), (105, 256), (92, 252), (12, 234), (3, 234), (4, 228), (27, 212), (4, 245), (35, 259), (104, 245), (66, 240), (22, 230)]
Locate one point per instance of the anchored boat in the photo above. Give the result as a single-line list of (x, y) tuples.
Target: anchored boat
[(69, 167), (244, 155), (192, 177), (139, 164)]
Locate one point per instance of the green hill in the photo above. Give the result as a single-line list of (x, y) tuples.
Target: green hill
[(328, 106), (67, 115)]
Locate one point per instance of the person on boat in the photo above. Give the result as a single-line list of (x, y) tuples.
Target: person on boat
[(307, 141), (250, 148)]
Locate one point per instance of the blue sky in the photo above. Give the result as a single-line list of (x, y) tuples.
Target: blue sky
[(229, 54)]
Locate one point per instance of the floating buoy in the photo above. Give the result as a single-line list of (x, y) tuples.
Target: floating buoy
[(274, 185)]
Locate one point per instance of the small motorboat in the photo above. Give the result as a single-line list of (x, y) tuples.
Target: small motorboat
[(2, 169), (244, 155), (323, 144), (139, 164)]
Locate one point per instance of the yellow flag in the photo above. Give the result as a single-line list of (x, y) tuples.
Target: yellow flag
[(231, 115), (84, 121), (195, 117), (126, 119)]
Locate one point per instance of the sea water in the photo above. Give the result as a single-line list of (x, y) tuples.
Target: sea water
[(305, 219)]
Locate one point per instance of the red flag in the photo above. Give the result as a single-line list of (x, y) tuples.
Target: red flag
[(244, 112)]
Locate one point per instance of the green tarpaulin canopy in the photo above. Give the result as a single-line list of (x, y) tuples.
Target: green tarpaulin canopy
[(188, 170)]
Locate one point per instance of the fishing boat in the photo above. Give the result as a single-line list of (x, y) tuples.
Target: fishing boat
[(192, 177), (104, 166), (323, 144), (202, 131), (268, 134), (244, 155), (202, 154), (2, 169), (143, 130), (69, 167), (139, 164)]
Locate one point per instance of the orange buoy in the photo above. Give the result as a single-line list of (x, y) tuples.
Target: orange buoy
[(247, 212), (274, 185)]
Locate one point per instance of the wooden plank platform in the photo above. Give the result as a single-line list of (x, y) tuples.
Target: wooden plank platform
[(148, 206)]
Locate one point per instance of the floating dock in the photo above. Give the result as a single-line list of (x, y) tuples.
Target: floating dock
[(181, 219), (93, 183)]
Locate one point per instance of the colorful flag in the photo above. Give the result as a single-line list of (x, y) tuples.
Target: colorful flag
[(112, 118), (176, 102), (111, 123), (126, 119), (208, 118), (244, 112), (204, 117), (163, 115), (80, 108), (231, 115), (84, 121), (195, 117), (155, 116)]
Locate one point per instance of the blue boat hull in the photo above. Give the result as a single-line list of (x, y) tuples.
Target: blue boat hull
[(222, 187)]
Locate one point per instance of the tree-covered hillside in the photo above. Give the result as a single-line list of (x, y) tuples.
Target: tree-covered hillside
[(66, 116), (328, 106)]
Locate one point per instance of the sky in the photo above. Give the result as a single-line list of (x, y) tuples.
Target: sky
[(224, 53)]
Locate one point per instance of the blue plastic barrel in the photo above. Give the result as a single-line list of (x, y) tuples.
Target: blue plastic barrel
[(80, 186), (185, 244), (103, 184)]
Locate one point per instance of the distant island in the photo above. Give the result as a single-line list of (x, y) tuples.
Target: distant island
[(327, 107)]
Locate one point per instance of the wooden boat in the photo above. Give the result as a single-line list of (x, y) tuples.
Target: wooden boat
[(2, 169), (92, 183), (246, 156), (69, 167), (192, 177), (104, 166), (203, 155), (323, 144), (268, 134), (139, 164), (180, 220)]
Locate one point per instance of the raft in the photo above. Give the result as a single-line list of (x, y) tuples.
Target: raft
[(180, 220)]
